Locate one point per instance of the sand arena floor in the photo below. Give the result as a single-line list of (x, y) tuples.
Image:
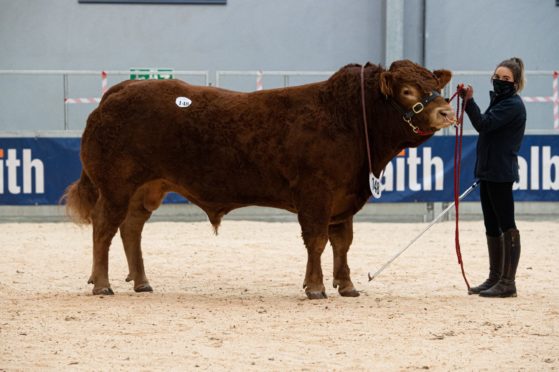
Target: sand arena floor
[(235, 302)]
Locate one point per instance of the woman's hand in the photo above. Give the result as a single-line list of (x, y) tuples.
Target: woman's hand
[(469, 93), (465, 93)]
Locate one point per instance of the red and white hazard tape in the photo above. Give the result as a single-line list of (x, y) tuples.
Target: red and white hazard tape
[(82, 100), (539, 99), (553, 99), (259, 84), (104, 85), (104, 88)]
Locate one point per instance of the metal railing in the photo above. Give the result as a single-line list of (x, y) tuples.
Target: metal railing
[(66, 73), (285, 79)]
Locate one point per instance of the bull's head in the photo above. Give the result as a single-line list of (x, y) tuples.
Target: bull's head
[(414, 91)]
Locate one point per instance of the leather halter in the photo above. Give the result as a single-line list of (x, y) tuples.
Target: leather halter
[(406, 115), (415, 109)]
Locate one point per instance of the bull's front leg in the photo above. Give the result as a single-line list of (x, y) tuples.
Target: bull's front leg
[(341, 237), (315, 242), (313, 218)]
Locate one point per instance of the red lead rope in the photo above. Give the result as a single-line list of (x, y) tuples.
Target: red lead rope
[(460, 108)]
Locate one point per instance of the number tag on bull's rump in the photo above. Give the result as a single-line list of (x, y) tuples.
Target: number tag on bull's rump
[(183, 102), (374, 184)]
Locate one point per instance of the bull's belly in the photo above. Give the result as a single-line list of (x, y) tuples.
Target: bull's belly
[(232, 193), (220, 198)]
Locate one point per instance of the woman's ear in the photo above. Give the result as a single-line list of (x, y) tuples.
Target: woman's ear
[(386, 80), (443, 76)]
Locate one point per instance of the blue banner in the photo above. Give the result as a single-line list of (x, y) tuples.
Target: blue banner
[(426, 173), (37, 170)]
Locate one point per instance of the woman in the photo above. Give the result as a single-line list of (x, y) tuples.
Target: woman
[(501, 129)]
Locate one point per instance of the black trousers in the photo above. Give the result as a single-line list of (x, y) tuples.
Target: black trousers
[(497, 204)]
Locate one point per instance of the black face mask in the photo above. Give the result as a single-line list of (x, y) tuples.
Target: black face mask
[(503, 88)]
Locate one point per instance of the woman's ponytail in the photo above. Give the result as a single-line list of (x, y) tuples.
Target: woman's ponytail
[(516, 65)]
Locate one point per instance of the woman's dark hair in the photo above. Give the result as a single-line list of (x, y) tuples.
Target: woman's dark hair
[(516, 65)]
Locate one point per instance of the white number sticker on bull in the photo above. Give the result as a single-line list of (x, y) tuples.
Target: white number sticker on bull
[(374, 184), (183, 102)]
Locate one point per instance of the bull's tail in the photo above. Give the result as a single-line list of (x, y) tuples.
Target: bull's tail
[(80, 198)]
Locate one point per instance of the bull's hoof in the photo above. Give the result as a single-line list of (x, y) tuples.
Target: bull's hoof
[(345, 288), (316, 295), (349, 293), (143, 288), (103, 291), (129, 278)]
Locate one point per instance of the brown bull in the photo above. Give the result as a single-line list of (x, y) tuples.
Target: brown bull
[(301, 149)]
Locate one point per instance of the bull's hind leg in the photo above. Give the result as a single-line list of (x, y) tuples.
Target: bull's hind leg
[(341, 236), (313, 218), (144, 202), (131, 234), (106, 218)]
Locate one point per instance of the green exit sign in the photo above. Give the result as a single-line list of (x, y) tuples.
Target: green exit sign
[(146, 73)]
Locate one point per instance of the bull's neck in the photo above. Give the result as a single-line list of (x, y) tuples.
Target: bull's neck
[(388, 133)]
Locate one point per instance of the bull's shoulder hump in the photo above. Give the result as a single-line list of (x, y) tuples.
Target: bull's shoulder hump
[(151, 84)]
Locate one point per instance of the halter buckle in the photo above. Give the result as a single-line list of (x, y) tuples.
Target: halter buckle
[(417, 108)]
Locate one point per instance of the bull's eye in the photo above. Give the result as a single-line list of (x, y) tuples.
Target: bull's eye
[(407, 92)]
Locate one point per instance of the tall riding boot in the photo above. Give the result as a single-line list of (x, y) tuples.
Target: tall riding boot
[(506, 287), (495, 246)]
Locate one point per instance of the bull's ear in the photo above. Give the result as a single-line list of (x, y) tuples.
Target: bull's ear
[(386, 82), (444, 77)]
